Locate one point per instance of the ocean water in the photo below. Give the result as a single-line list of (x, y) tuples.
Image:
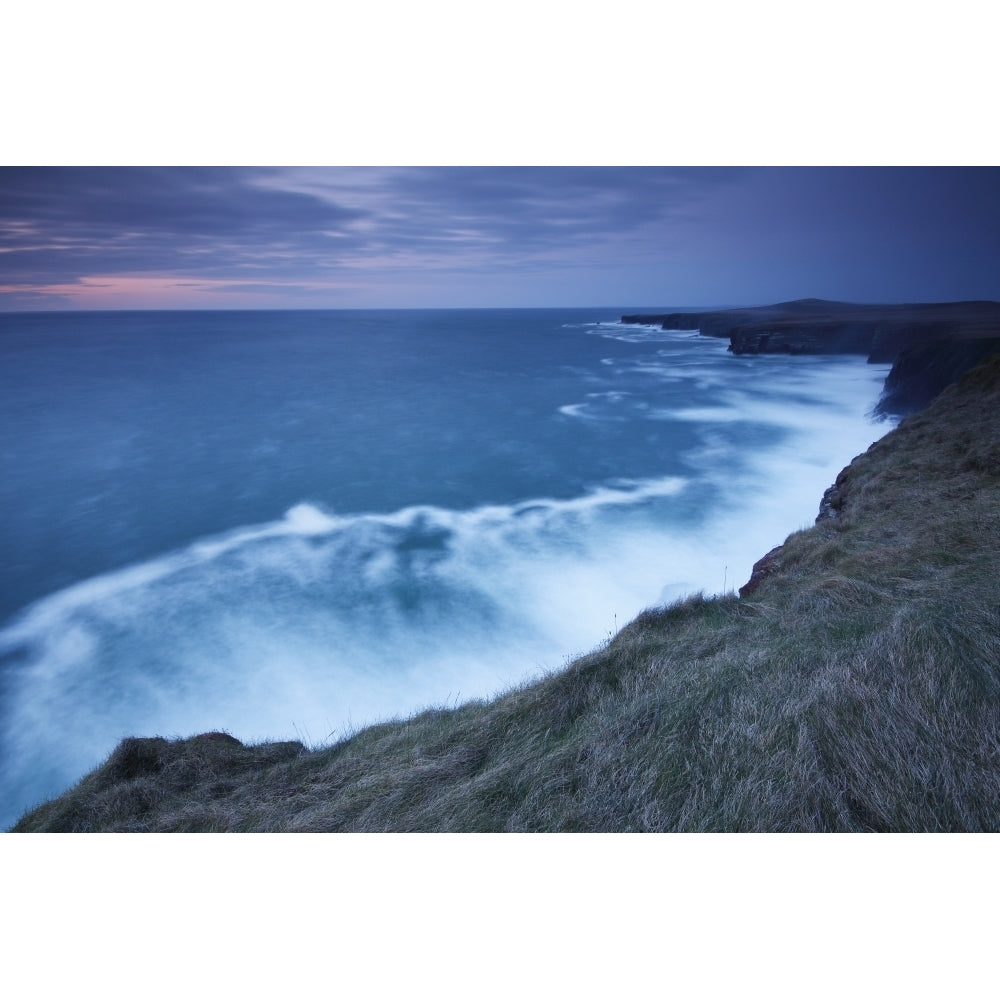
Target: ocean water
[(291, 524)]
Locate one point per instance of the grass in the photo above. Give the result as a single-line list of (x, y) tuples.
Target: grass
[(856, 688)]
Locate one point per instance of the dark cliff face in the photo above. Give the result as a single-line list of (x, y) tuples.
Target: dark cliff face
[(929, 344), (804, 338), (667, 321), (921, 371), (815, 326)]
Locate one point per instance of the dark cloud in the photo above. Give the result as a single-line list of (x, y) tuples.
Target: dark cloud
[(530, 208), (614, 234), (63, 222), (59, 224), (217, 201)]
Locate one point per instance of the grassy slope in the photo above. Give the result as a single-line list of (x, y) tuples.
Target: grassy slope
[(857, 688)]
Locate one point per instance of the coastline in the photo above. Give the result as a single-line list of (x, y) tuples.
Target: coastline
[(178, 754), (929, 345)]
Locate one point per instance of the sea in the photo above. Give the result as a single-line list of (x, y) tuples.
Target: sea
[(289, 525)]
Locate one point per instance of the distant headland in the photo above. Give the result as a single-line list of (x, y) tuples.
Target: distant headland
[(928, 344)]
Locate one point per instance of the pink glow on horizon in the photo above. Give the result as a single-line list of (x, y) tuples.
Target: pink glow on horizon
[(167, 292)]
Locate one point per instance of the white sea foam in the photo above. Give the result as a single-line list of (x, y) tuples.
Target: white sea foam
[(316, 622), (312, 620), (645, 333)]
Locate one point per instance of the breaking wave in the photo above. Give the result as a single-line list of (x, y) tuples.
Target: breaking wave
[(320, 620)]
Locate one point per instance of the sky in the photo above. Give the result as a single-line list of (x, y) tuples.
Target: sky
[(441, 237)]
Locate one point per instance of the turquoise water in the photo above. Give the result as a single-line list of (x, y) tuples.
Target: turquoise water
[(290, 524)]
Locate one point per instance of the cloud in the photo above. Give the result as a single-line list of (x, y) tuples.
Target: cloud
[(221, 201), (519, 210), (496, 235), (63, 223)]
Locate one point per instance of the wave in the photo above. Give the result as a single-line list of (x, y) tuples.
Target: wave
[(316, 622), (649, 333), (633, 333), (319, 621), (309, 520)]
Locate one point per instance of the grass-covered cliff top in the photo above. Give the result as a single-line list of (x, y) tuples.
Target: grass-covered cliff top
[(856, 687)]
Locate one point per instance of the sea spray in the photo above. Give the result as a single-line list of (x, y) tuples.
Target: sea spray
[(672, 465)]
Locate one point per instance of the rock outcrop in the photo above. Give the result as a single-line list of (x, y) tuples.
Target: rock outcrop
[(922, 370), (833, 499), (764, 567)]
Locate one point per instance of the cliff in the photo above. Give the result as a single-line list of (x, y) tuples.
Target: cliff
[(855, 686), (929, 344), (922, 370)]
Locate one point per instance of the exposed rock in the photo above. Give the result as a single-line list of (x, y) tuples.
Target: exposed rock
[(803, 337), (833, 499), (829, 506), (923, 370), (762, 569)]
